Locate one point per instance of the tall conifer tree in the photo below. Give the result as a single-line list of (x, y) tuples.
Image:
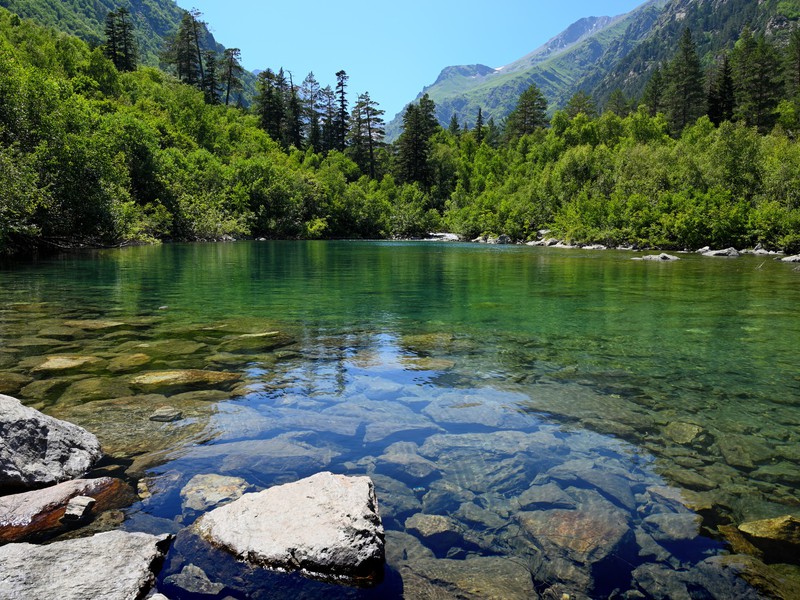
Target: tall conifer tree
[(684, 95)]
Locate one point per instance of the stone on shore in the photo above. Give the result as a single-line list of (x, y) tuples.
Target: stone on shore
[(108, 566), (324, 526), (730, 252), (660, 257), (39, 450), (40, 511)]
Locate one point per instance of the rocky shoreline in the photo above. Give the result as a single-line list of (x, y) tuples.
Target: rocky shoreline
[(325, 526)]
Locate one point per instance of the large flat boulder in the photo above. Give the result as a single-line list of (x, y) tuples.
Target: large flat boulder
[(108, 566), (39, 511), (37, 450), (326, 526)]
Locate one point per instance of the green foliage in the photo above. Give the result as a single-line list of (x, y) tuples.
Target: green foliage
[(92, 155)]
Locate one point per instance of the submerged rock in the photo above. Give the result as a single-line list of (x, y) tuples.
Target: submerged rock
[(325, 526), (110, 566), (154, 380), (439, 533), (478, 578), (67, 363), (193, 579), (779, 538), (32, 513), (583, 536), (210, 490), (39, 450)]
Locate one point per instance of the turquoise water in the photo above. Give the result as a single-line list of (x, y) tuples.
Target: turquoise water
[(473, 383)]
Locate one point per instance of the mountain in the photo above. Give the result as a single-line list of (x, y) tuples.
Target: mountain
[(558, 68), (601, 54), (153, 20), (716, 25)]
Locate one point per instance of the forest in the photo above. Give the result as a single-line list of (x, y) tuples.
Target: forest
[(98, 150)]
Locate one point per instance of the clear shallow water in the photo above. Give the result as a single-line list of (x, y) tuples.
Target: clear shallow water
[(521, 397)]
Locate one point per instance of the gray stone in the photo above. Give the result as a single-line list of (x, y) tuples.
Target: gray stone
[(166, 414), (282, 454), (398, 501), (672, 527), (548, 495), (478, 578), (683, 433), (437, 532), (402, 462), (108, 566), (730, 252), (660, 257), (324, 525), (156, 380), (791, 259), (78, 508), (39, 450), (194, 580), (207, 491)]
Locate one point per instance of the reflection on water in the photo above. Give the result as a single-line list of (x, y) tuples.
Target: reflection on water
[(535, 421)]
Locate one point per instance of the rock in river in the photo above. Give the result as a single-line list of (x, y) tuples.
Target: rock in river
[(325, 526), (38, 450), (779, 538), (156, 380), (108, 566), (29, 513), (207, 491)]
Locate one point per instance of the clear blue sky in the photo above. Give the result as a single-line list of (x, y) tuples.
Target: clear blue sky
[(390, 49)]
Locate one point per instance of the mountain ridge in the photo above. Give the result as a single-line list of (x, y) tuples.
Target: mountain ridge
[(555, 67)]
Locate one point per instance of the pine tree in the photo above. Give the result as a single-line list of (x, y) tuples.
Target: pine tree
[(127, 42), (721, 97), (310, 95), (328, 105), (684, 96), (757, 78), (581, 103), (342, 112), (653, 97), (293, 128), (120, 47), (269, 104), (413, 146), (366, 133), (454, 128), (232, 73), (493, 133), (529, 115), (618, 103), (479, 127), (211, 84), (196, 25), (792, 66), (111, 48), (180, 52)]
